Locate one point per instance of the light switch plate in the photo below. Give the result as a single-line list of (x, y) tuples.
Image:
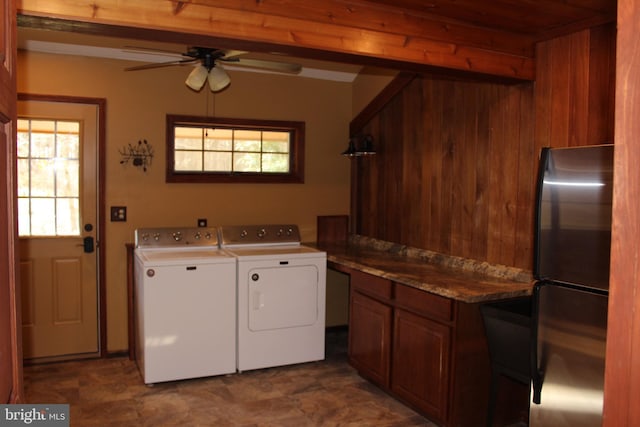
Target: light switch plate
[(118, 213)]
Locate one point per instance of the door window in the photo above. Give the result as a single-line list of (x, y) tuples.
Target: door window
[(48, 177)]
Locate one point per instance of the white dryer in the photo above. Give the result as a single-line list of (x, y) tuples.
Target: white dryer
[(281, 296)]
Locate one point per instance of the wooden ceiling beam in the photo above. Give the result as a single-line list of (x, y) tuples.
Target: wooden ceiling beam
[(338, 29), (368, 15)]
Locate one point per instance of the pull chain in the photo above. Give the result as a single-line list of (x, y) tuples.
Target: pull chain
[(213, 109)]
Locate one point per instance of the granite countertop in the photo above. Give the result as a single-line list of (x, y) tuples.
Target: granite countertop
[(457, 278)]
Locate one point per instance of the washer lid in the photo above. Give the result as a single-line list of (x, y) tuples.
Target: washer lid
[(172, 256), (264, 252)]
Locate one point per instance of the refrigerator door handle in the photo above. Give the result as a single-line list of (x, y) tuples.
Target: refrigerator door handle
[(537, 374)]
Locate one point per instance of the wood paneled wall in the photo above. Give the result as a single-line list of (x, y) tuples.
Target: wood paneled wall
[(457, 161), (448, 173), (575, 89)]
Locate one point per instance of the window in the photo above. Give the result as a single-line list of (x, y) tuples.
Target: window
[(209, 149), (48, 177)]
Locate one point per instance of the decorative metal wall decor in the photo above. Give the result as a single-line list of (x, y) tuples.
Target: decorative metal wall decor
[(139, 154)]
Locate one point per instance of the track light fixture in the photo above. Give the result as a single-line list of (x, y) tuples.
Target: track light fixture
[(360, 146)]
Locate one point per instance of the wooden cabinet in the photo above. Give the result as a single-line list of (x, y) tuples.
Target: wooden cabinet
[(427, 350), (420, 363), (370, 338), (370, 319)]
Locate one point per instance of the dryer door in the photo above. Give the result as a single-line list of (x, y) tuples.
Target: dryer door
[(282, 297)]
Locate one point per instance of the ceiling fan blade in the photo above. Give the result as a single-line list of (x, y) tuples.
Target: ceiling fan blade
[(161, 64), (284, 67), (152, 51), (233, 53)]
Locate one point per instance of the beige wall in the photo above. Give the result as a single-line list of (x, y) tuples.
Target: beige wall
[(136, 106), (367, 85)]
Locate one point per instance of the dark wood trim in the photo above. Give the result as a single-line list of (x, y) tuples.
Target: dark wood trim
[(11, 383), (622, 368), (101, 236), (380, 101), (131, 302)]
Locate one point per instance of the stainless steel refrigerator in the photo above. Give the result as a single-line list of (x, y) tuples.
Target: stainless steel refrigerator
[(571, 265)]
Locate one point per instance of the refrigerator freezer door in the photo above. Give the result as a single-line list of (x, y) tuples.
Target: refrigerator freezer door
[(571, 333)]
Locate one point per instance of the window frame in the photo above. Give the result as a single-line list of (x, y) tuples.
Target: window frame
[(296, 150)]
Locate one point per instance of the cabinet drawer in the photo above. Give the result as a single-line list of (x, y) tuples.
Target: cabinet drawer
[(425, 303), (371, 285)]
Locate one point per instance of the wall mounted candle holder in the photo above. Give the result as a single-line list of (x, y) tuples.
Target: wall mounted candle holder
[(139, 154)]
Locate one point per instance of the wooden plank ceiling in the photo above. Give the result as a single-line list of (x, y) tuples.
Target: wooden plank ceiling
[(540, 19), (494, 38)]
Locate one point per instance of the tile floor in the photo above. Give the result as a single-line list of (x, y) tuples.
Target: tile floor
[(110, 392)]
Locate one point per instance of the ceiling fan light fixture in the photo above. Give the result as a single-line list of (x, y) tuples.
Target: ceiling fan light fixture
[(208, 66), (197, 77), (218, 78)]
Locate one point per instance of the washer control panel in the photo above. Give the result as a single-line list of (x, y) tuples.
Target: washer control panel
[(269, 234), (175, 237)]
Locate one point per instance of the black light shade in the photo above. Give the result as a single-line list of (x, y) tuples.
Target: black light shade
[(366, 148), (351, 149), (360, 146)]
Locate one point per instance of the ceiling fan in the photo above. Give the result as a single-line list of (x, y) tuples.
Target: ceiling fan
[(209, 66)]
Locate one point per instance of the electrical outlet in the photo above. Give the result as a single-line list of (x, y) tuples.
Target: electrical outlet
[(202, 222), (118, 213)]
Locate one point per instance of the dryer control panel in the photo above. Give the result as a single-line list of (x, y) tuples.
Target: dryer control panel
[(265, 234)]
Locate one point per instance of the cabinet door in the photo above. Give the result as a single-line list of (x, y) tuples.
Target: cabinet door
[(370, 338), (421, 354)]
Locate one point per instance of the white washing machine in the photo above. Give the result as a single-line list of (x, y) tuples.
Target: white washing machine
[(186, 304), (281, 296)]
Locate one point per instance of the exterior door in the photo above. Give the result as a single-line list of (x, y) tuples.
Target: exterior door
[(57, 220), (10, 353)]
